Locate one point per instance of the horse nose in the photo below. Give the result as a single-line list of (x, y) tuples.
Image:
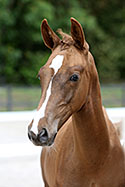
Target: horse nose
[(43, 136), (32, 136)]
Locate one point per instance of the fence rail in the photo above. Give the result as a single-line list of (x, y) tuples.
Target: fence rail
[(27, 98), (19, 98)]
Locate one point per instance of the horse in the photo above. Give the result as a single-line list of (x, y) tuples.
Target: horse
[(80, 144)]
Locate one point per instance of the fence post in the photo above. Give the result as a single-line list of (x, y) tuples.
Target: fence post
[(9, 98)]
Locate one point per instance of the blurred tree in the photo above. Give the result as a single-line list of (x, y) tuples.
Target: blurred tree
[(108, 48), (22, 51)]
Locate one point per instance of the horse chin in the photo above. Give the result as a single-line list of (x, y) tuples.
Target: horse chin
[(51, 140), (43, 144)]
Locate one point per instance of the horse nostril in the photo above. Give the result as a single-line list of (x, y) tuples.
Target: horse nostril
[(32, 136), (43, 136), (29, 135)]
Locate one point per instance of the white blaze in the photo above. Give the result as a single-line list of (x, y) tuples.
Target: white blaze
[(56, 65)]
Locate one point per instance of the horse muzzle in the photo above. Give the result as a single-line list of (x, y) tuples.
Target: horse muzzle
[(42, 138)]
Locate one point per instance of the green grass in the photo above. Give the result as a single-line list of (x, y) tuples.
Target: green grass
[(112, 96), (19, 98), (24, 98)]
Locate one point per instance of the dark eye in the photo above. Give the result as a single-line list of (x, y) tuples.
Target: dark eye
[(39, 77), (74, 78)]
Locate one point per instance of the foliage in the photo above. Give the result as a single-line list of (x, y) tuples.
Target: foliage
[(22, 51)]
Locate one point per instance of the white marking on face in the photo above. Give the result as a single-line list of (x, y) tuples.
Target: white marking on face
[(40, 113), (56, 65)]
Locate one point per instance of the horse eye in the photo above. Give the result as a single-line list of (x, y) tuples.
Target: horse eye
[(39, 77), (74, 77)]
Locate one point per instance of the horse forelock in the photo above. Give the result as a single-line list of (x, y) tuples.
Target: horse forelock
[(67, 40)]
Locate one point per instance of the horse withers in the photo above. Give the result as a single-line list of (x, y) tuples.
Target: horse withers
[(81, 147)]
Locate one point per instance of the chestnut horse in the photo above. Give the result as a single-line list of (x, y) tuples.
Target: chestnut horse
[(81, 147)]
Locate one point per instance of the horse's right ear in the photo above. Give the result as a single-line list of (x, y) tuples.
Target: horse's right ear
[(51, 40)]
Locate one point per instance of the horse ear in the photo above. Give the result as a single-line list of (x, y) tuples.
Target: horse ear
[(77, 33), (51, 40)]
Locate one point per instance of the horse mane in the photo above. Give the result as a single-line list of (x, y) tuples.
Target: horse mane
[(66, 41)]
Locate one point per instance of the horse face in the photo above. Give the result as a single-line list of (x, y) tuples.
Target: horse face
[(63, 79)]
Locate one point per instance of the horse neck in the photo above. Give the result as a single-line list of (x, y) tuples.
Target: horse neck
[(90, 129)]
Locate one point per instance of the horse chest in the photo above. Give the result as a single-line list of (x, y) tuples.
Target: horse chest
[(70, 174), (74, 178)]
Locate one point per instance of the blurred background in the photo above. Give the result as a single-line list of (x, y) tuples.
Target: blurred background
[(22, 53)]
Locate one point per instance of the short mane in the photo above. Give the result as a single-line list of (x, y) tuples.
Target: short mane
[(66, 41)]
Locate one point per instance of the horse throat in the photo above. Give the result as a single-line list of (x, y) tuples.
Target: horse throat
[(90, 130)]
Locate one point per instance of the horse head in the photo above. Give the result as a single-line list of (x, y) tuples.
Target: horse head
[(64, 81)]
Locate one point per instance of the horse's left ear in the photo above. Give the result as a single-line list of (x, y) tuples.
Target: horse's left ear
[(51, 40), (77, 33)]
